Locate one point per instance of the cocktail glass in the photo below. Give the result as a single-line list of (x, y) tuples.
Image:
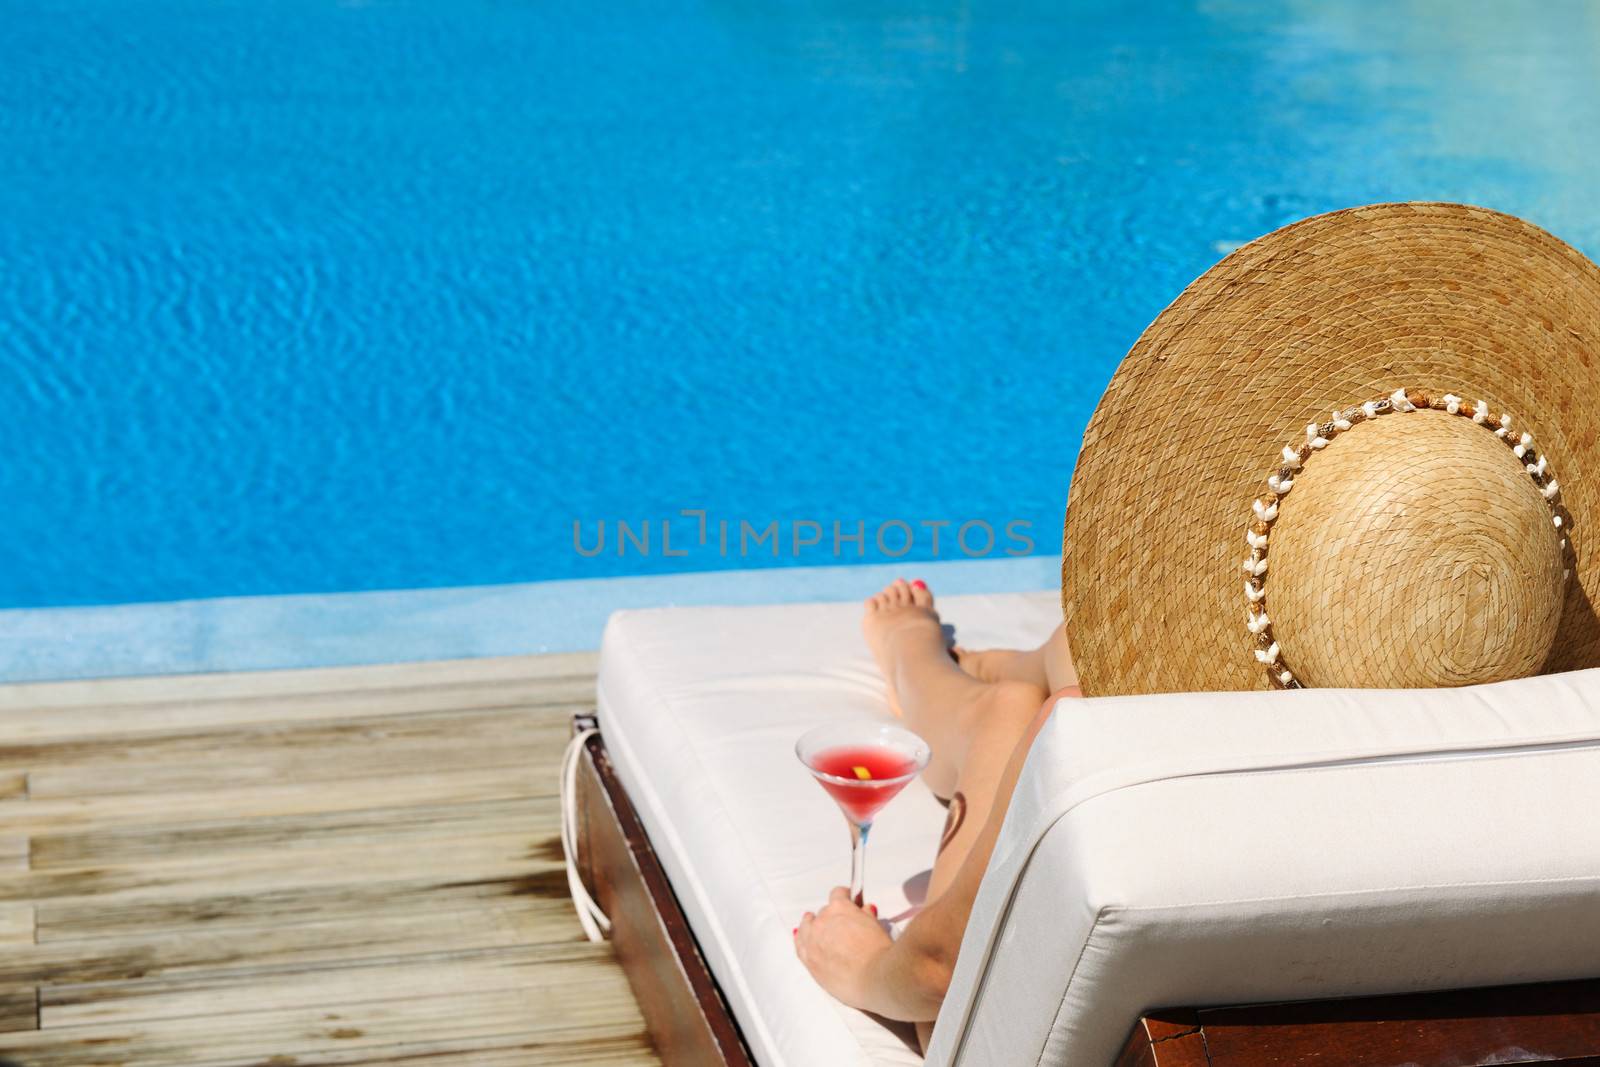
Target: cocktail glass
[(862, 765)]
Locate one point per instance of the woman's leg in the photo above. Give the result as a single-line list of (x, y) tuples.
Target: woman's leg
[(958, 715), (979, 728), (1049, 666), (980, 733)]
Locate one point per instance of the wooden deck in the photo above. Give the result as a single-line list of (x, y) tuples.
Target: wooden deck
[(349, 866)]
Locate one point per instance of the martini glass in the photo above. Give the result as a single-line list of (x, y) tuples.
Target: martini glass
[(862, 765)]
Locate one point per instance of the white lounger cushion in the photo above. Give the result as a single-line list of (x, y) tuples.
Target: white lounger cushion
[(1237, 848), (1160, 851), (700, 709)]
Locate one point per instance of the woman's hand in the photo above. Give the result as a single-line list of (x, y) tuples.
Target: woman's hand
[(840, 945)]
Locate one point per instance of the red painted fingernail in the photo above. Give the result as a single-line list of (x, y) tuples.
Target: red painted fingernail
[(920, 584), (795, 932), (874, 908)]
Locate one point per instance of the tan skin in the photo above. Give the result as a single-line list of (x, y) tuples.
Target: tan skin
[(979, 716)]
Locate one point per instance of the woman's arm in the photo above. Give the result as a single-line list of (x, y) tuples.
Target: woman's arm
[(852, 956)]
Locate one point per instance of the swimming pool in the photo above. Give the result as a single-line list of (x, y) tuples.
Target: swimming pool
[(313, 296)]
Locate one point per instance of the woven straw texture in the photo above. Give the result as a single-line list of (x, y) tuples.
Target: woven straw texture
[(1380, 576), (1326, 313)]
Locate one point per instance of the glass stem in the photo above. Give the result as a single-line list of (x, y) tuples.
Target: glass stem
[(858, 858)]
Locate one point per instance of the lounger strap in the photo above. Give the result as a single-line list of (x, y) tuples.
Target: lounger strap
[(594, 921)]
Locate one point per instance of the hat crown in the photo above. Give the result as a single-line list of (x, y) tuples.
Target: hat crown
[(1415, 551)]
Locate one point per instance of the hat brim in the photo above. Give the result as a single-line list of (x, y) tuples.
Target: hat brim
[(1323, 314)]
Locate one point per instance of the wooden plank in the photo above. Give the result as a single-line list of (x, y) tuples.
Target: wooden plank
[(562, 1015), (631, 1050), (1165, 1025), (49, 725), (677, 995), (261, 884), (345, 867), (96, 696), (1136, 1051), (19, 1009), (314, 752), (16, 924), (288, 834), (626, 1049), (425, 974), (117, 750), (351, 794), (202, 948), (14, 852), (1187, 1050), (1165, 1039), (295, 904), (1554, 1022)]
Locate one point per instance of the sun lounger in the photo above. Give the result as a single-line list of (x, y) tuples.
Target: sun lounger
[(700, 709), (1162, 852)]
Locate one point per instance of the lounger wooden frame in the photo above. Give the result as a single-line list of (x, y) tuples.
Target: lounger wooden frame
[(1557, 1022), (691, 1023), (687, 1016)]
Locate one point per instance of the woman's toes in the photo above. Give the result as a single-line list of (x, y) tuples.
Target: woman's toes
[(900, 594)]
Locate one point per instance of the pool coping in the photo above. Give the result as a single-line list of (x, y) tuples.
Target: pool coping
[(397, 626)]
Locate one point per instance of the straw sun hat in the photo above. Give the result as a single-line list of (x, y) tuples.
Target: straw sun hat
[(1356, 452)]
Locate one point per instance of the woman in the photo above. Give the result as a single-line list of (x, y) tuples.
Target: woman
[(978, 711), (1430, 544)]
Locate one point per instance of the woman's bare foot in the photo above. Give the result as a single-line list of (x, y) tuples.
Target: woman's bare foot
[(901, 610)]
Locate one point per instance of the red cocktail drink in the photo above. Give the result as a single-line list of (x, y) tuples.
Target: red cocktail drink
[(863, 778), (863, 766)]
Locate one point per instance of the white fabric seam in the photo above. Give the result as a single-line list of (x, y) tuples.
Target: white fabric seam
[(1569, 879), (1071, 977)]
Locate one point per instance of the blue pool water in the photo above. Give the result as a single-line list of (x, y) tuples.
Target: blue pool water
[(312, 296)]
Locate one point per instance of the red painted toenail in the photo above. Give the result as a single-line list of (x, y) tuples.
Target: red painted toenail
[(920, 584)]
